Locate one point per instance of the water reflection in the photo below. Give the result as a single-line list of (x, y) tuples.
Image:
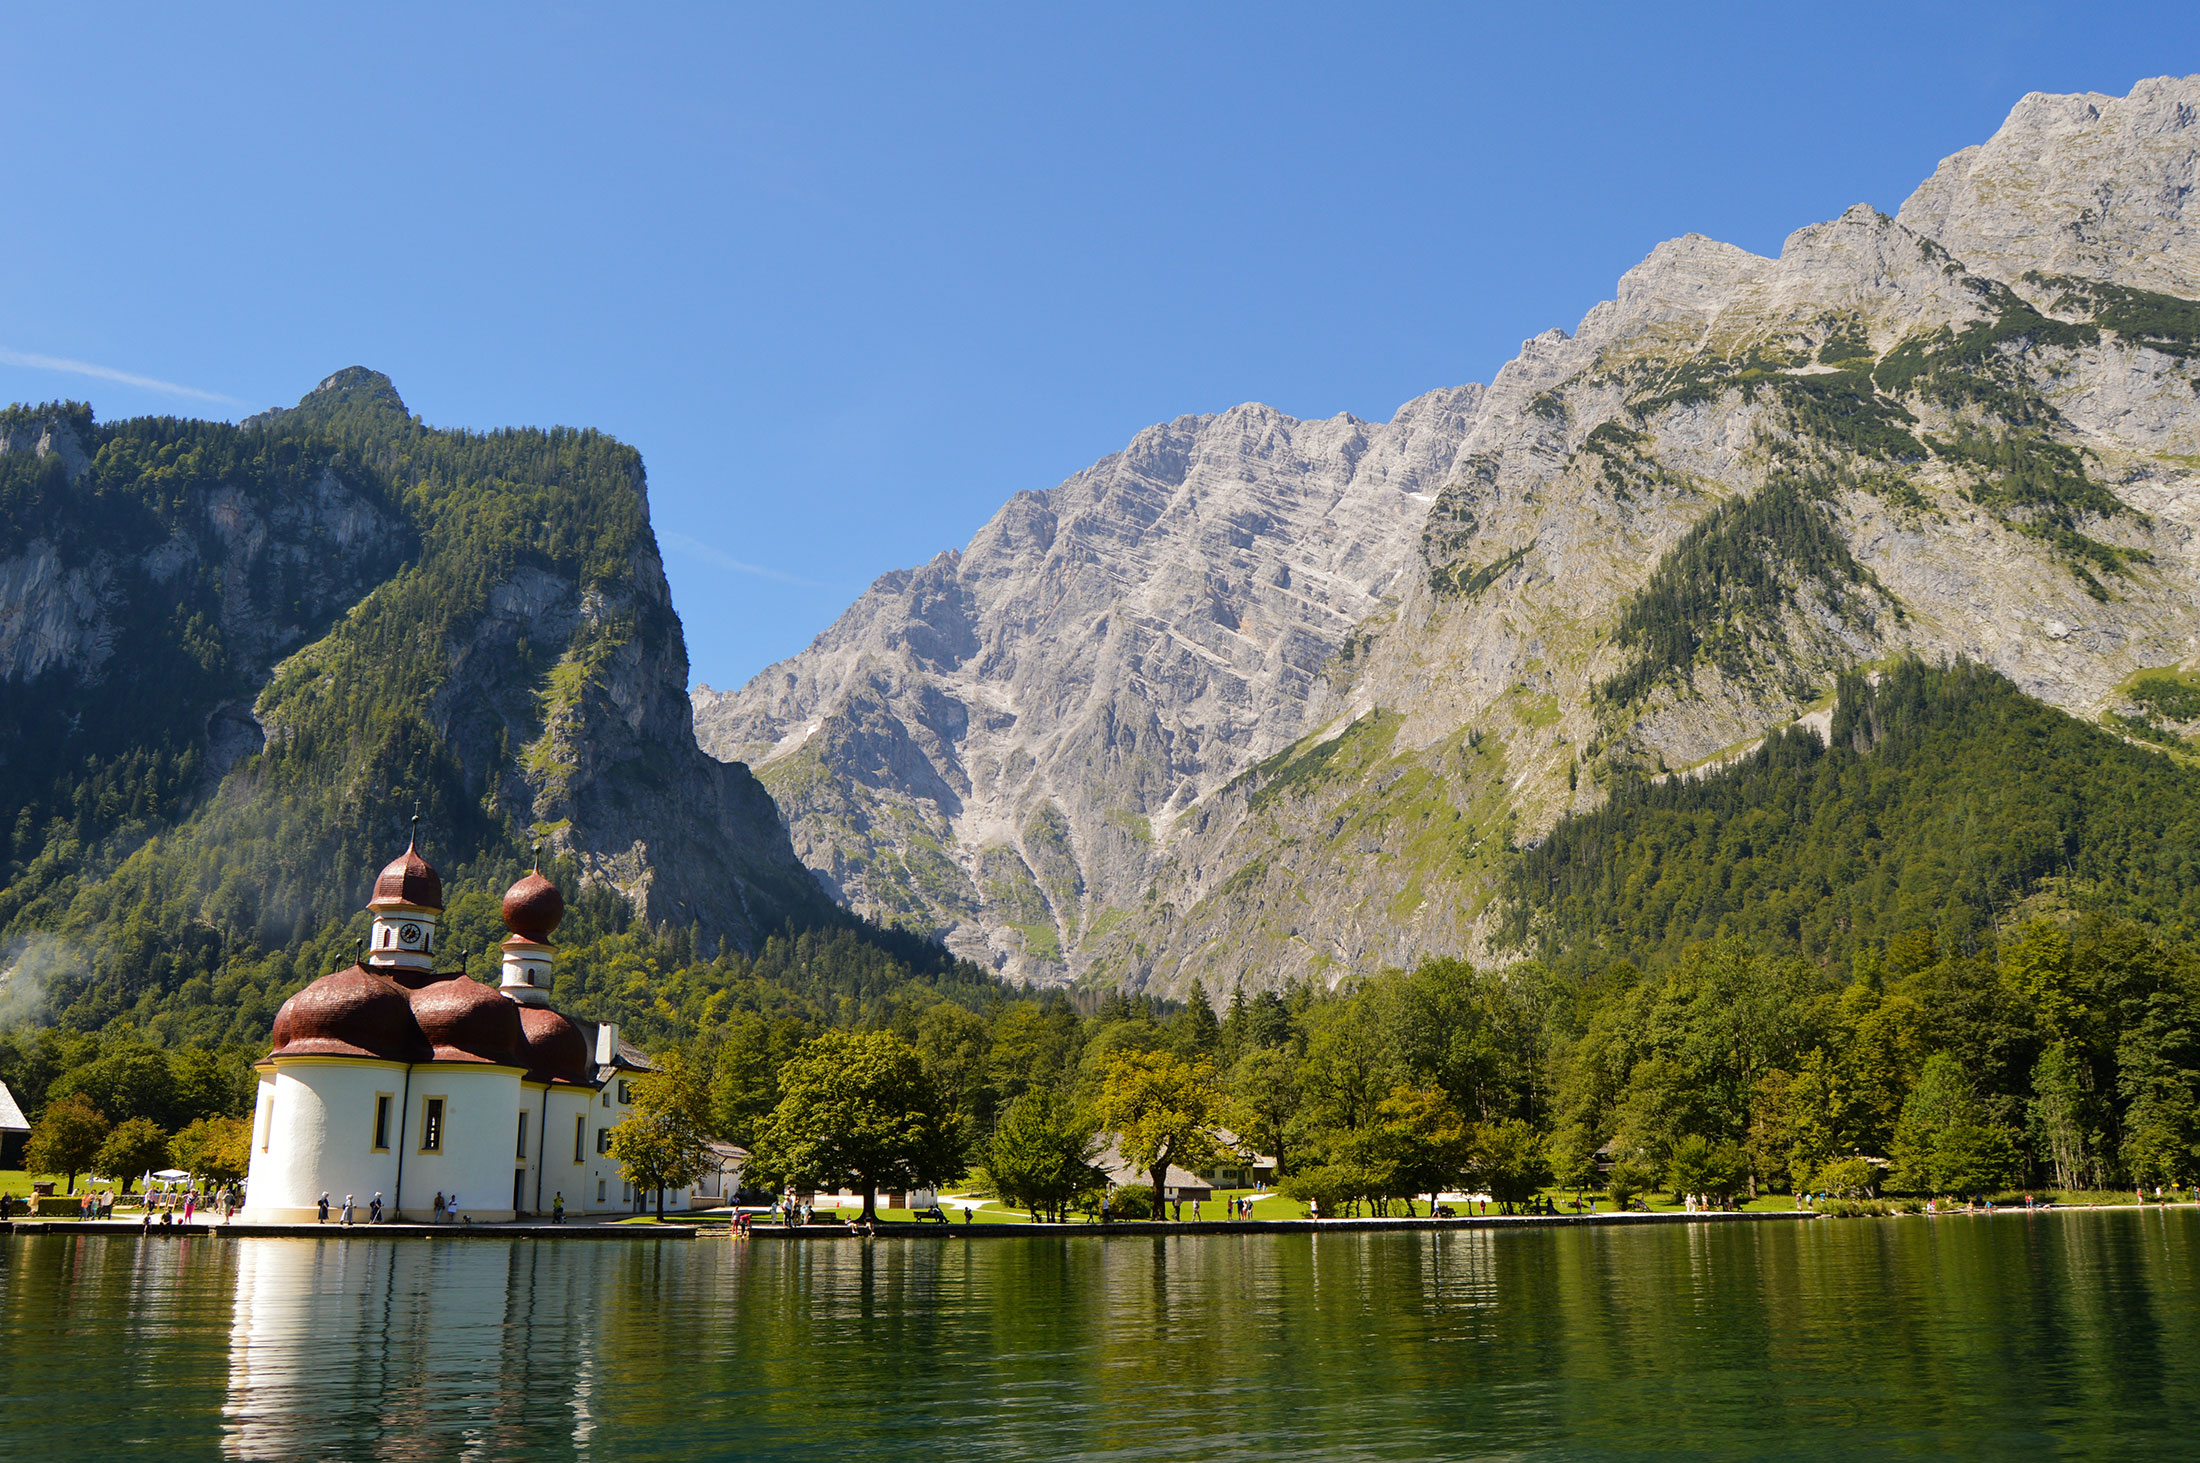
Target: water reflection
[(414, 1350), (2063, 1335)]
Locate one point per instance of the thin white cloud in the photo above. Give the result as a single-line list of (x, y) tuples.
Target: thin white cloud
[(108, 373), (696, 549)]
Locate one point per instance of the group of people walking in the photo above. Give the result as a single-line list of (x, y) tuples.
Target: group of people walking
[(158, 1207), (446, 1209)]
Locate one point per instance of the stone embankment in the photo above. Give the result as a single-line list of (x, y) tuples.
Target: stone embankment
[(898, 1229)]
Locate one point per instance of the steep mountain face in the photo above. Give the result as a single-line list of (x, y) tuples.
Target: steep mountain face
[(997, 745), (1969, 431), (234, 660)]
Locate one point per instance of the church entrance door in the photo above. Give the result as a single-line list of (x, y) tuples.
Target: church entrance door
[(519, 1192)]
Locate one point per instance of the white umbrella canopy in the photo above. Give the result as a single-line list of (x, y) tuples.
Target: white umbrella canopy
[(172, 1173)]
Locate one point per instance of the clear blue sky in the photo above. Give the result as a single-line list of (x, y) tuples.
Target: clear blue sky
[(851, 277)]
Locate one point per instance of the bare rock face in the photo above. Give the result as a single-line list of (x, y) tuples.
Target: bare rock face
[(614, 777), (995, 746), (282, 568), (2096, 186), (1261, 700)]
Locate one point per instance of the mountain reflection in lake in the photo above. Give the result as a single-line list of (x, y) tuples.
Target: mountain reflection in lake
[(2068, 1333)]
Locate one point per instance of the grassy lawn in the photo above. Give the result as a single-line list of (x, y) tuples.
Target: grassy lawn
[(15, 1181)]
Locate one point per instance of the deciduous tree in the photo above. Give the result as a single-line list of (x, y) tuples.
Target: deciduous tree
[(858, 1108), (135, 1146), (66, 1138), (1264, 1087), (664, 1142), (1040, 1157), (219, 1149), (1509, 1161), (1162, 1110)]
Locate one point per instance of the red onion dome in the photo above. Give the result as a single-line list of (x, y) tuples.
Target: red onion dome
[(556, 1050), (354, 1012), (466, 1021), (532, 908), (408, 880)]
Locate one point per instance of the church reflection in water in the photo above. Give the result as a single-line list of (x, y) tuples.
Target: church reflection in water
[(405, 1350)]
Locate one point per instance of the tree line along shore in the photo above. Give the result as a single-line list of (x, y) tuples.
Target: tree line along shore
[(2056, 1057)]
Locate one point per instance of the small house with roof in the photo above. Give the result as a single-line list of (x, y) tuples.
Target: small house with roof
[(15, 1130)]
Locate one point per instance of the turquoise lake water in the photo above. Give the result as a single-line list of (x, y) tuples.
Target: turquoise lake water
[(2053, 1336)]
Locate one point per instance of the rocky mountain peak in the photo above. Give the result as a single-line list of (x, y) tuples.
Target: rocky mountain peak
[(356, 398), (2095, 186), (358, 384)]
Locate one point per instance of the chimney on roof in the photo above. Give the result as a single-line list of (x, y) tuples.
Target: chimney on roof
[(607, 1043)]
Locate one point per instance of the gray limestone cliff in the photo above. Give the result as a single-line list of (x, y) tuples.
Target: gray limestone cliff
[(997, 745), (1259, 699)]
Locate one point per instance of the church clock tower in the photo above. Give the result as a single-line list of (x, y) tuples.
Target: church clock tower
[(407, 902)]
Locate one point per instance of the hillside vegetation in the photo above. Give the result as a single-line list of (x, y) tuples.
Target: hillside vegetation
[(258, 650), (1946, 801)]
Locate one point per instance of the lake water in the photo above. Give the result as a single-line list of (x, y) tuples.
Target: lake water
[(2066, 1335)]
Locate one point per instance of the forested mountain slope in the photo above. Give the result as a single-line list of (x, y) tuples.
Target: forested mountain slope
[(1934, 800), (1970, 432), (235, 660)]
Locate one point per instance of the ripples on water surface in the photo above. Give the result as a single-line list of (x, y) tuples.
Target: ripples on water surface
[(2069, 1335)]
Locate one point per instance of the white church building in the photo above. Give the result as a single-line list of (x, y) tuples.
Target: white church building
[(390, 1077)]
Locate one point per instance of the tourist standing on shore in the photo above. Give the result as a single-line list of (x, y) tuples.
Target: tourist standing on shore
[(374, 1208), (452, 1205), (438, 1207), (557, 1208), (322, 1211), (347, 1211)]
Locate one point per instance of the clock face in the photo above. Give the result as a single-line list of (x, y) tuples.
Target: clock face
[(408, 935)]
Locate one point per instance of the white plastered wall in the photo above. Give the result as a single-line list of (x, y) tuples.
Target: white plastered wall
[(600, 1171), (313, 1133), (560, 1173), (479, 1152)]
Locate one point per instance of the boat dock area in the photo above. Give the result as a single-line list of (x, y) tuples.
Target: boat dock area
[(521, 1229)]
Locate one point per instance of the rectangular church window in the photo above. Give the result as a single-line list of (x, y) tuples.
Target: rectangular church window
[(580, 1132), (521, 1152), (431, 1125), (382, 1102)]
